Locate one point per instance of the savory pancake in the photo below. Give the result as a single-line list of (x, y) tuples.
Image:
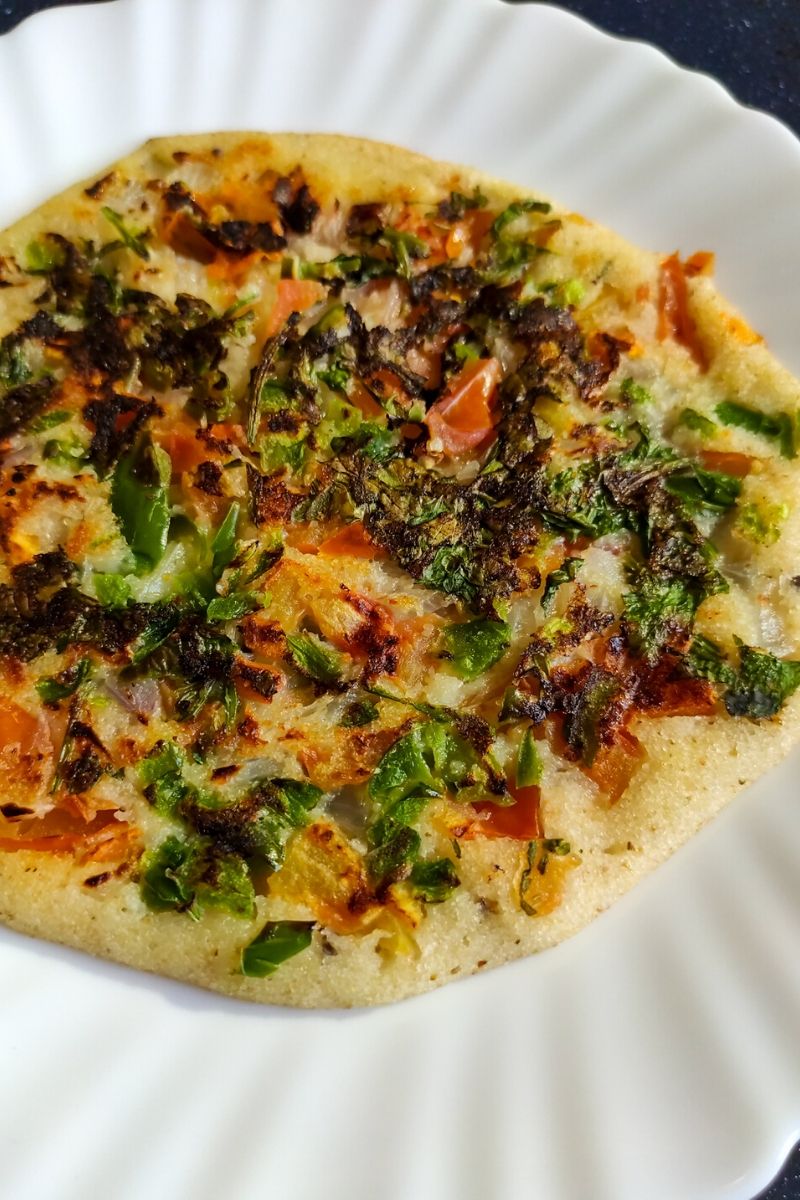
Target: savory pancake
[(394, 567)]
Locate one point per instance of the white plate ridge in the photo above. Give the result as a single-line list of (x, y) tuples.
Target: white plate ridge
[(654, 1056)]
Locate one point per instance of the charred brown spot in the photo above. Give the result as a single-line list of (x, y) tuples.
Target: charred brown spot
[(248, 730), (366, 220), (94, 881), (13, 811), (261, 679), (21, 404), (271, 502), (97, 189), (208, 478), (225, 772), (374, 637), (297, 206), (116, 421)]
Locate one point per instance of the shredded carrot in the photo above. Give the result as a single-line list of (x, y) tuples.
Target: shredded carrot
[(674, 319), (728, 462)]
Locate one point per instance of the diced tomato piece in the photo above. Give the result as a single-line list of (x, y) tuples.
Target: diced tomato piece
[(23, 736), (387, 384), (184, 449), (19, 729), (616, 764), (363, 400), (462, 419), (520, 820), (728, 462), (352, 540), (183, 236), (674, 319), (294, 295)]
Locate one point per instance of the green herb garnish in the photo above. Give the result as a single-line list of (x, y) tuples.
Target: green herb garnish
[(475, 646), (277, 942), (134, 239), (777, 427), (140, 501), (315, 658)]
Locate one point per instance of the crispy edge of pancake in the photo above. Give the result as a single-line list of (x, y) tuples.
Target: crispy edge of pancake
[(694, 766)]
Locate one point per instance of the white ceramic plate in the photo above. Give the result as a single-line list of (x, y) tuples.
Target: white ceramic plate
[(653, 1057)]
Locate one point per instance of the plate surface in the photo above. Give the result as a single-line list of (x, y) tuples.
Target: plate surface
[(654, 1055)]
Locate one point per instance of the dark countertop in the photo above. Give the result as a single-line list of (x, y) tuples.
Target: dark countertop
[(752, 46)]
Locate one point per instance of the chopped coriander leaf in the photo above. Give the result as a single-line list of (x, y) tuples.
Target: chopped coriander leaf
[(563, 574), (510, 214), (67, 452), (391, 859), (448, 571), (164, 618), (113, 591), (634, 393), (223, 547), (466, 352), (475, 646), (377, 442), (761, 522), (44, 256), (758, 689), (705, 660), (434, 881), (777, 427), (701, 489), (259, 825), (360, 712), (508, 259), (655, 610), (691, 419), (140, 501), (454, 207), (49, 420), (430, 511), (405, 247), (161, 777), (356, 268), (431, 757), (277, 942), (188, 875), (57, 687), (529, 764), (581, 726), (134, 239), (578, 501), (314, 658), (763, 685), (14, 370), (231, 607), (278, 450)]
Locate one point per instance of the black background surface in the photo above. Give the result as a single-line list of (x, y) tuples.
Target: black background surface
[(752, 46)]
